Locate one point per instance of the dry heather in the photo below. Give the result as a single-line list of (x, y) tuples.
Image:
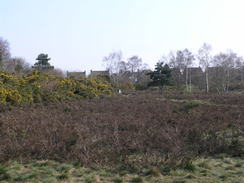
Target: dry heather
[(127, 130)]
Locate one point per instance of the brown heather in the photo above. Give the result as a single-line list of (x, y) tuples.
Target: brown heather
[(125, 130)]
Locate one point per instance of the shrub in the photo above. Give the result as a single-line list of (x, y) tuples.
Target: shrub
[(39, 87), (125, 131)]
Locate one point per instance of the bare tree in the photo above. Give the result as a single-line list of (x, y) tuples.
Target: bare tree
[(145, 66), (175, 61), (123, 67), (227, 62), (134, 63), (205, 59), (180, 60), (188, 60), (240, 66), (113, 61), (16, 65), (115, 65), (4, 51), (172, 59)]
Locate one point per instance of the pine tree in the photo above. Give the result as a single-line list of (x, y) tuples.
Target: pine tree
[(42, 62), (161, 75)]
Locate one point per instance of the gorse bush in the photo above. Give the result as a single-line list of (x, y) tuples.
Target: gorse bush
[(39, 87)]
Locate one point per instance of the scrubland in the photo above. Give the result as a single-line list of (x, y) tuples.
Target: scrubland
[(135, 137)]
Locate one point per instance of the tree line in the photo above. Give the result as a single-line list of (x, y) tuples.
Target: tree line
[(18, 65), (221, 72), (183, 69)]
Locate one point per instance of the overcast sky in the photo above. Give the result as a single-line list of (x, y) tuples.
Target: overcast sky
[(77, 34)]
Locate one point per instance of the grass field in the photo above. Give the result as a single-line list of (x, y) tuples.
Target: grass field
[(209, 170)]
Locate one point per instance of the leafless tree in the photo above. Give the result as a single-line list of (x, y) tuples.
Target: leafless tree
[(180, 60), (145, 66), (240, 66), (227, 62), (171, 59), (123, 67), (16, 65), (205, 59), (134, 63), (113, 62), (4, 51), (188, 60), (175, 63)]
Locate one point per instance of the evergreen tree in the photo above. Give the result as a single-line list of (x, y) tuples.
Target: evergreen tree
[(42, 62), (161, 75)]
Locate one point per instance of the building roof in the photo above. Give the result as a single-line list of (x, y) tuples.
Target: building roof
[(99, 73), (76, 74)]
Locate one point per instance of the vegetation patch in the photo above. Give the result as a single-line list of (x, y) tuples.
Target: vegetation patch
[(206, 170), (39, 87)]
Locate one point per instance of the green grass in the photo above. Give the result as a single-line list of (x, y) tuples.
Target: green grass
[(219, 169)]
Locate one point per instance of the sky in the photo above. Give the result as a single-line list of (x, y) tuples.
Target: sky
[(77, 34)]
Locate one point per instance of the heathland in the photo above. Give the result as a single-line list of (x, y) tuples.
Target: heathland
[(139, 136), (176, 124)]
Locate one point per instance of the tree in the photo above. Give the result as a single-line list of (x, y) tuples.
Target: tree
[(4, 51), (240, 66), (176, 61), (113, 62), (176, 73), (227, 62), (16, 65), (42, 62), (181, 62), (161, 75), (205, 59), (134, 63), (123, 67), (188, 60), (121, 71)]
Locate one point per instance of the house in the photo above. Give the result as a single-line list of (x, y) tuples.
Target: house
[(94, 74), (76, 74)]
